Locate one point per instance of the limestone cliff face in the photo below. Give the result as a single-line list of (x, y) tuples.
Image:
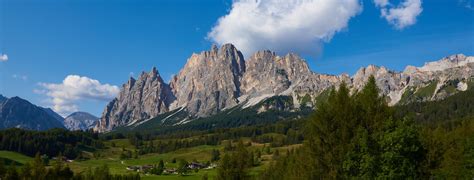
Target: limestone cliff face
[(210, 81), (433, 81), (220, 78), (139, 99), (268, 74)]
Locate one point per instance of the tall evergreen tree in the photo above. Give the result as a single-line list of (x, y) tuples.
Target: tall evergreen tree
[(354, 137), (12, 173), (329, 133), (38, 170)]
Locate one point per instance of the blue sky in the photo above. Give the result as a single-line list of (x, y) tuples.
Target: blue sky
[(47, 40)]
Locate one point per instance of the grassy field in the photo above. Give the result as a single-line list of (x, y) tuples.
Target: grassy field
[(111, 157), (20, 158)]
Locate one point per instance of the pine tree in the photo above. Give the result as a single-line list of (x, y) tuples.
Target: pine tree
[(12, 173), (38, 170), (215, 155), (3, 170), (329, 133), (182, 167), (354, 137), (25, 171), (224, 170)]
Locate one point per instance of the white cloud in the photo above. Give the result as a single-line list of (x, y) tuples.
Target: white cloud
[(65, 96), (4, 57), (401, 16), (21, 77), (381, 3), (283, 25)]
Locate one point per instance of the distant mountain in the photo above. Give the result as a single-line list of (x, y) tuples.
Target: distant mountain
[(80, 121), (216, 81), (2, 99), (19, 113), (54, 115)]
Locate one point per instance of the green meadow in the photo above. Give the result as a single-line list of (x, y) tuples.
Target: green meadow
[(110, 156)]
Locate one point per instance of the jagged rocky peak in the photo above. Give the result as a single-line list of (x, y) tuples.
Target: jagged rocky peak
[(80, 121), (268, 73), (139, 99), (293, 65), (227, 54), (220, 78), (210, 81), (447, 62), (388, 81), (434, 79), (264, 75)]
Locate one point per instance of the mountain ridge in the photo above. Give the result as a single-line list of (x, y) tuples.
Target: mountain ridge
[(80, 121), (19, 113), (219, 79)]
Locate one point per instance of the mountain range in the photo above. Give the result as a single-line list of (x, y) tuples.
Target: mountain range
[(220, 80), (19, 113)]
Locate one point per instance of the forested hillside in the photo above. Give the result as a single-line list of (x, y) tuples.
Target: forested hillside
[(359, 136), (51, 143)]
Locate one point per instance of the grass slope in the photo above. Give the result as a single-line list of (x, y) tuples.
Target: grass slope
[(110, 157), (15, 157)]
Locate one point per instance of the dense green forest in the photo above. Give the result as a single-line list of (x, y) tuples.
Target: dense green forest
[(432, 113), (358, 136), (52, 142), (348, 136)]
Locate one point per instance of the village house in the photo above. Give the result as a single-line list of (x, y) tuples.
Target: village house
[(195, 165), (143, 168), (170, 171), (64, 159)]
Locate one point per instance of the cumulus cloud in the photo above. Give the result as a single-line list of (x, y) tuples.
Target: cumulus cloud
[(400, 16), (65, 96), (283, 25), (4, 57)]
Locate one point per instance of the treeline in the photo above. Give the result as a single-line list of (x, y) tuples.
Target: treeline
[(278, 134), (52, 142), (37, 170), (359, 137), (449, 110)]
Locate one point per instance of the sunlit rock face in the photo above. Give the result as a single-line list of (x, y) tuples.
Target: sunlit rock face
[(219, 79), (210, 81), (139, 99)]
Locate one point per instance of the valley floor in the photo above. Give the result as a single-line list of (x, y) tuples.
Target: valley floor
[(110, 156)]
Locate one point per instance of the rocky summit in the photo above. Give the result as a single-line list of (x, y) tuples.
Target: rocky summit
[(210, 81), (19, 113), (220, 79), (80, 121), (139, 99)]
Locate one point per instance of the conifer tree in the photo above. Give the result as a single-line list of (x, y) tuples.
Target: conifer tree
[(12, 173), (38, 170)]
